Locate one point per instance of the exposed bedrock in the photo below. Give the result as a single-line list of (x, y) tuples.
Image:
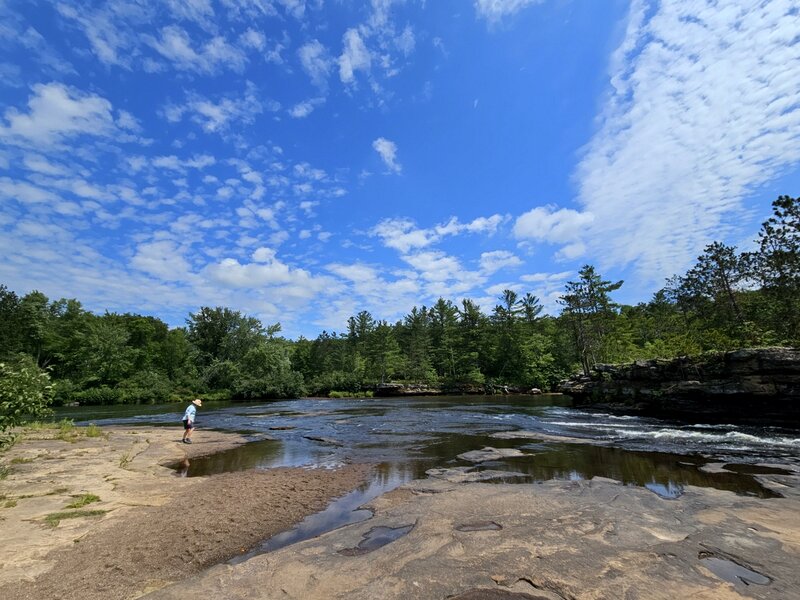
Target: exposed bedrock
[(754, 384), (589, 540)]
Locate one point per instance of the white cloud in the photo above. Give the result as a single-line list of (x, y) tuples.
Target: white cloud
[(264, 255), (217, 116), (494, 10), (172, 162), (705, 107), (253, 39), (388, 153), (40, 164), (355, 56), (491, 262), (302, 109), (296, 8), (175, 45), (486, 225), (56, 112), (108, 39), (22, 191), (316, 62), (192, 10), (403, 234), (563, 226), (162, 259), (443, 273), (268, 271)]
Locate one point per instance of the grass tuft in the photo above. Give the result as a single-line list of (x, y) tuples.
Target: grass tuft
[(53, 519), (92, 431), (83, 500)]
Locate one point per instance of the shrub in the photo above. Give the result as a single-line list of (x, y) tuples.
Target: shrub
[(147, 387), (288, 385), (64, 392), (25, 393), (99, 395)]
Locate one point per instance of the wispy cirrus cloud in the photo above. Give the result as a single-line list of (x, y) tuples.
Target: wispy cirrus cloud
[(495, 10), (175, 44), (704, 107), (216, 116)]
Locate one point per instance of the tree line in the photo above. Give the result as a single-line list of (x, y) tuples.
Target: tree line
[(728, 299)]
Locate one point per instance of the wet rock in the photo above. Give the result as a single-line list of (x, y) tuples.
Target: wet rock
[(479, 526), (760, 384), (467, 475), (731, 571), (489, 453), (375, 538), (495, 594), (324, 440), (576, 540)]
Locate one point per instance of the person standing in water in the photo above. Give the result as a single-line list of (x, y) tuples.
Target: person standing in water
[(188, 420)]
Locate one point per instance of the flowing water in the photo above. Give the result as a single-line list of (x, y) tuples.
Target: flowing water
[(406, 437)]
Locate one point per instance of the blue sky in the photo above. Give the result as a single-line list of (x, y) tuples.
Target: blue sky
[(301, 160)]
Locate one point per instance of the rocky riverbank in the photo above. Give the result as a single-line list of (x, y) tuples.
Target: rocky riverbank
[(760, 385), (106, 518), (558, 540), (390, 390)]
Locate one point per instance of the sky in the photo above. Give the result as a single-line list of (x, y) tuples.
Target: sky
[(303, 160)]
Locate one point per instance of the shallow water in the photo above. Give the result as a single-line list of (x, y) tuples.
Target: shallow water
[(406, 437)]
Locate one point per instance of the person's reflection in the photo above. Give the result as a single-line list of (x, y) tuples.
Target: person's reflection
[(183, 469)]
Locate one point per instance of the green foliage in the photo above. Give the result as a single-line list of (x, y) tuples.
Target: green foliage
[(338, 394), (99, 395), (591, 315), (25, 393), (92, 431), (145, 387)]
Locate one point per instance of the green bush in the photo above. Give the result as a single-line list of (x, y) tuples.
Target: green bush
[(25, 393), (99, 396), (288, 385), (64, 392), (146, 387), (339, 381), (338, 394)]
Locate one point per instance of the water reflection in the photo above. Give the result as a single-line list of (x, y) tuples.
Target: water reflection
[(408, 436)]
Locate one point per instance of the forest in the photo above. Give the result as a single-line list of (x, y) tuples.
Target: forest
[(728, 299)]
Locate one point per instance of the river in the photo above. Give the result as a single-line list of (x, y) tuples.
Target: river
[(406, 438)]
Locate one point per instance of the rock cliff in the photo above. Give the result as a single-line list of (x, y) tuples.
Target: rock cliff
[(761, 384)]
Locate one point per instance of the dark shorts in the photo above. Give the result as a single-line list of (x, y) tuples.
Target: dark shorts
[(187, 424)]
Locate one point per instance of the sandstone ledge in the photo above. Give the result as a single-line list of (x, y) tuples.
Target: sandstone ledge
[(758, 385)]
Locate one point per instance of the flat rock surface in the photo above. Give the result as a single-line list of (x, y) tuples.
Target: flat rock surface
[(558, 540), (155, 527)]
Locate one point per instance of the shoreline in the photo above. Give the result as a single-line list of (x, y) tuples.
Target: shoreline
[(167, 537), (148, 527)]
